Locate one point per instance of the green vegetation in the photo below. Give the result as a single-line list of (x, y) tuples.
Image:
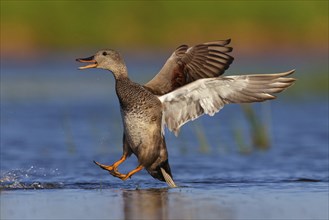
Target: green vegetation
[(72, 24), (259, 130)]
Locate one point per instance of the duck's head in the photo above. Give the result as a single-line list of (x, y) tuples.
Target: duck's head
[(105, 59)]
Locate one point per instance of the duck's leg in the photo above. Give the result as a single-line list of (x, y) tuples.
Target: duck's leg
[(128, 175), (114, 167)]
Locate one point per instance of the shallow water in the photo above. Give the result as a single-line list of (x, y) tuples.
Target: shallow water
[(225, 202), (54, 125)]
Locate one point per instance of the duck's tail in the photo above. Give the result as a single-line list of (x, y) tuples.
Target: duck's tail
[(160, 168), (168, 178), (162, 172)]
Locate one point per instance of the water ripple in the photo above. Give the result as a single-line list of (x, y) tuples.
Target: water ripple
[(204, 183)]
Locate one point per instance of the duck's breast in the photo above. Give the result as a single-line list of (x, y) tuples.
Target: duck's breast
[(143, 135)]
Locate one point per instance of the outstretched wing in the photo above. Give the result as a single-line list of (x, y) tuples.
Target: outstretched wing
[(208, 96), (189, 64)]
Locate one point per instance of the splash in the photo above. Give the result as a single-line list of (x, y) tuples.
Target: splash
[(31, 178)]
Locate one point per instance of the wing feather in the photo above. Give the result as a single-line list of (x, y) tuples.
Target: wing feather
[(208, 96), (188, 64)]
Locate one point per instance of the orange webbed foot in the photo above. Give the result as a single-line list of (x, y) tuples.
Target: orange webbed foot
[(106, 167), (113, 169)]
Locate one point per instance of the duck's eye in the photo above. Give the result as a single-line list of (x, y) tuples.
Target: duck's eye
[(104, 53)]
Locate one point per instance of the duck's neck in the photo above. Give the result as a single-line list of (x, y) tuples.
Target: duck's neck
[(125, 93), (120, 72), (122, 81)]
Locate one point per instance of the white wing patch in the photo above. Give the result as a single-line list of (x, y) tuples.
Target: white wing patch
[(208, 96)]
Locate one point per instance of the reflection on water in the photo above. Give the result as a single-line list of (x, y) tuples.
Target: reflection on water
[(256, 202), (145, 204), (172, 204)]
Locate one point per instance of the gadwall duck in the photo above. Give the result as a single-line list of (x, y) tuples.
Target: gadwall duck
[(189, 85)]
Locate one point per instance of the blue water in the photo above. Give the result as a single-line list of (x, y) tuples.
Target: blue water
[(56, 120)]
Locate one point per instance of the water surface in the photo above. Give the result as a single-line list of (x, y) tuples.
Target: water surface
[(55, 122)]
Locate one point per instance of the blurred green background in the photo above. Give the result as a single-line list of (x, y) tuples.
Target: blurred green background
[(31, 25), (295, 32), (287, 28)]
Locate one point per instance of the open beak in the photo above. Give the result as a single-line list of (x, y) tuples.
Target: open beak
[(87, 60)]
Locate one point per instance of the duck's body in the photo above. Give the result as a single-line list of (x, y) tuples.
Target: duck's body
[(142, 116), (188, 86)]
